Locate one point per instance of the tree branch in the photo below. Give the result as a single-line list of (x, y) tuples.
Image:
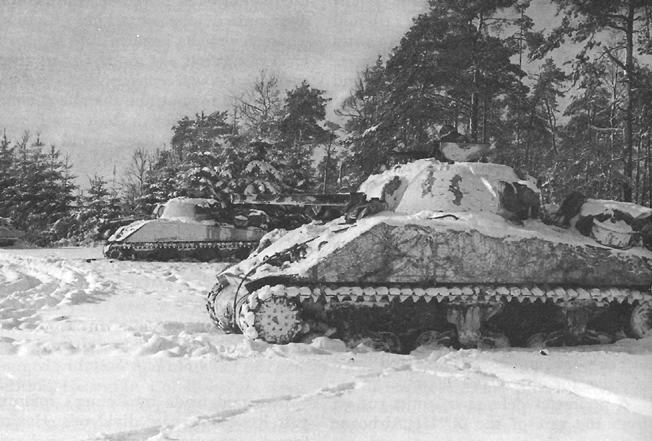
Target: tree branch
[(615, 60), (605, 129)]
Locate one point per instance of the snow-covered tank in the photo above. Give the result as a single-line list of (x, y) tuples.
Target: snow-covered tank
[(8, 234), (448, 253), (189, 228)]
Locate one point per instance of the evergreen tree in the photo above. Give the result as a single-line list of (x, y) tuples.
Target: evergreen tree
[(642, 126), (7, 177), (41, 190), (328, 167), (89, 220), (260, 146), (529, 133), (99, 206), (301, 132), (369, 137), (191, 165), (209, 158), (454, 66), (592, 146), (628, 22), (451, 68)]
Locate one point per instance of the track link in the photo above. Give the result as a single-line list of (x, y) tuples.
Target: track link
[(204, 250), (479, 313), (464, 294)]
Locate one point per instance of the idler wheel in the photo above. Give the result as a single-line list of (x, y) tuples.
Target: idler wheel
[(274, 320), (114, 253), (641, 320)]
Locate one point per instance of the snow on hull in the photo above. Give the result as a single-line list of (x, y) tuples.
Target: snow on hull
[(172, 230), (418, 255)]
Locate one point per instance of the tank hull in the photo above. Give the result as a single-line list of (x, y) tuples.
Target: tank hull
[(457, 257), (164, 240), (435, 253), (460, 276), (185, 232)]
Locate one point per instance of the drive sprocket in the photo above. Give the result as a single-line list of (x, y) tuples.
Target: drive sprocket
[(274, 320)]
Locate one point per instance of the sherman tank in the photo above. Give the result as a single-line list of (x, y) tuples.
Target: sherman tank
[(8, 234), (189, 228), (205, 230), (448, 253)]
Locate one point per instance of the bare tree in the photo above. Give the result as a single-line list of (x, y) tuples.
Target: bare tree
[(133, 182), (260, 108)]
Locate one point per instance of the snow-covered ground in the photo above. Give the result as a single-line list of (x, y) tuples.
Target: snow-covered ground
[(92, 349)]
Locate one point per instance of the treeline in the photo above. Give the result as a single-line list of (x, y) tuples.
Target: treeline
[(464, 63), (37, 193), (266, 144), (476, 65)]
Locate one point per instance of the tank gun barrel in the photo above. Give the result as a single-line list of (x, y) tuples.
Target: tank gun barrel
[(412, 154), (321, 200)]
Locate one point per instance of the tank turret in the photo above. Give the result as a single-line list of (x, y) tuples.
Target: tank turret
[(448, 253)]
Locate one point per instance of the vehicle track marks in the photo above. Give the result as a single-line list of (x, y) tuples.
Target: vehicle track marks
[(469, 366)]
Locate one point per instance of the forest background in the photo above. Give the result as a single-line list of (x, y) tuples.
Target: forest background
[(463, 63)]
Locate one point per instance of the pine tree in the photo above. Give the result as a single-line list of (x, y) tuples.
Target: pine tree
[(370, 136), (451, 68), (41, 188), (591, 140), (301, 132), (628, 22), (454, 66), (7, 178), (529, 133)]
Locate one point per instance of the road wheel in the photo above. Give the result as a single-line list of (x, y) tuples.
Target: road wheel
[(641, 320)]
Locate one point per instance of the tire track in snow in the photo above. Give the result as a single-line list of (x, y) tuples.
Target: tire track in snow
[(29, 284), (497, 374)]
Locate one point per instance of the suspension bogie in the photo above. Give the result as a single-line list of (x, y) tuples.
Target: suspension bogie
[(467, 316)]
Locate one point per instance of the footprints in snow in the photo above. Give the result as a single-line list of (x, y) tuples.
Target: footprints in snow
[(167, 432)]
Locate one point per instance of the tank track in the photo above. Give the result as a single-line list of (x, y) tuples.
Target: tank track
[(462, 294), (166, 251), (459, 310)]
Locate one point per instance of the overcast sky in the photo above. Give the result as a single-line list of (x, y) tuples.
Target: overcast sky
[(101, 78)]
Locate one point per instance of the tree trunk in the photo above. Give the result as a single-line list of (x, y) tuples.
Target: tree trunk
[(475, 104), (629, 71)]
